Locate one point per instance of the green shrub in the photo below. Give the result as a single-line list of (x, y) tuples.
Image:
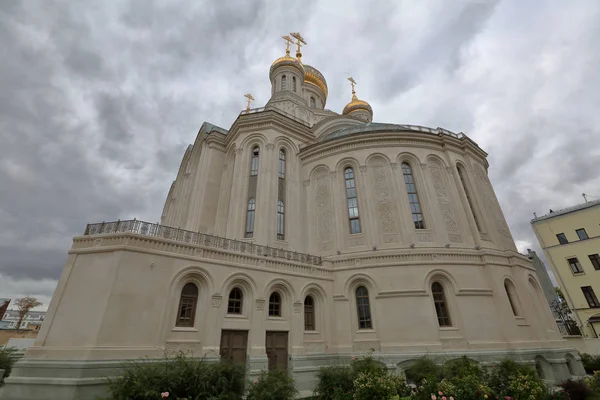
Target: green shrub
[(6, 361), (272, 385), (373, 386), (181, 376), (423, 368), (526, 387), (499, 377), (368, 366), (577, 390), (402, 388), (461, 368), (334, 383), (590, 363)]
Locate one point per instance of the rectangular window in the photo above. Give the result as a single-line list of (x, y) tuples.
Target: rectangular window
[(582, 234), (575, 266), (590, 296), (595, 259), (562, 239)]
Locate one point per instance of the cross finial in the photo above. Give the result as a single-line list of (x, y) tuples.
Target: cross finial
[(250, 98), (352, 82), (300, 39), (288, 42)]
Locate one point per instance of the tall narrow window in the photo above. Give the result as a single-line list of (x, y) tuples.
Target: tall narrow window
[(462, 177), (275, 305), (250, 218), (352, 200), (309, 314), (510, 293), (441, 308), (595, 260), (234, 304), (280, 220), (187, 305), (582, 234), (313, 102), (575, 265), (590, 296), (562, 239), (281, 166), (254, 162), (363, 308), (283, 82), (413, 198), (294, 84)]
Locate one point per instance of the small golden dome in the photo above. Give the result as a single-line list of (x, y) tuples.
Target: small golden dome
[(356, 105), (287, 60), (313, 76)]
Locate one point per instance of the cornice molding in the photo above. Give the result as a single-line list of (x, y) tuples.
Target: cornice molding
[(269, 119)]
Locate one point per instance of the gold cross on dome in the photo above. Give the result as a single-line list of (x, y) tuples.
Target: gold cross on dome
[(352, 82), (288, 42), (300, 39), (250, 98)]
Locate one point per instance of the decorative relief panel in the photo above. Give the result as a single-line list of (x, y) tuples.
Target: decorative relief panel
[(367, 345), (441, 190), (424, 237), (354, 241), (260, 304), (189, 348), (323, 211), (314, 347), (216, 300), (383, 197), (491, 202), (297, 307)]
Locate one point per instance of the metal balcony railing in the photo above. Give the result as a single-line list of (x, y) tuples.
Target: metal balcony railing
[(181, 235)]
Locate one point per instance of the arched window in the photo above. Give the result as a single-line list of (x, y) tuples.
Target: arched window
[(363, 308), (187, 305), (441, 308), (275, 305), (294, 84), (234, 305), (250, 218), (281, 169), (512, 297), (352, 200), (413, 197), (280, 220), (283, 82), (313, 102), (254, 162), (463, 181), (309, 314)]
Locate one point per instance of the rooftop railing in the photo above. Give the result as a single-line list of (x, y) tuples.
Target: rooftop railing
[(202, 239)]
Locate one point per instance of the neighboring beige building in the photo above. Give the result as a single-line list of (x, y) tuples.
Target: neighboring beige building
[(571, 242), (297, 238)]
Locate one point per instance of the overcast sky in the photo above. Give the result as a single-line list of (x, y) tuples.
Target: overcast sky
[(98, 100)]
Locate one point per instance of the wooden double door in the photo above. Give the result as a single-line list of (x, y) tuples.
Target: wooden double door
[(234, 346), (277, 349)]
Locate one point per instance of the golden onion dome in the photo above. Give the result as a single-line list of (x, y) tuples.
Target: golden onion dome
[(287, 60), (356, 105), (314, 77)]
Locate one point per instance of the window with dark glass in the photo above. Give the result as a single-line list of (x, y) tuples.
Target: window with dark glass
[(590, 296), (275, 305), (441, 308), (595, 260), (413, 197), (463, 181), (582, 234), (352, 200), (187, 305), (313, 102), (234, 304), (508, 287), (280, 220), (294, 83), (254, 162), (562, 239), (575, 266), (309, 314), (283, 82), (250, 218), (281, 167), (363, 308)]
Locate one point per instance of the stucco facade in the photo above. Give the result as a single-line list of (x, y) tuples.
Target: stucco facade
[(373, 284)]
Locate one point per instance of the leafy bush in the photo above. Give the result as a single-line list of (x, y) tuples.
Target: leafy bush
[(6, 361), (334, 383), (423, 368), (402, 388), (374, 386), (577, 390), (181, 376), (499, 377), (460, 368), (526, 387), (272, 385), (590, 363)]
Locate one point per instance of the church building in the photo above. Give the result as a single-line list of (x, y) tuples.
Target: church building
[(296, 238)]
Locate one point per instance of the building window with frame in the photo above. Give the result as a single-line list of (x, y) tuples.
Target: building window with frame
[(590, 296), (283, 82), (235, 301), (313, 102), (254, 162), (294, 84), (352, 200), (512, 298), (465, 185), (280, 220), (275, 305), (595, 260), (281, 165), (363, 307), (582, 234), (187, 305), (575, 265), (309, 314), (413, 197), (562, 239), (250, 218), (441, 308)]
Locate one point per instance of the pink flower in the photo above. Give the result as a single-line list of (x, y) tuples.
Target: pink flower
[(433, 397), (164, 394), (444, 398), (440, 393), (353, 358), (507, 398), (451, 398), (256, 381)]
